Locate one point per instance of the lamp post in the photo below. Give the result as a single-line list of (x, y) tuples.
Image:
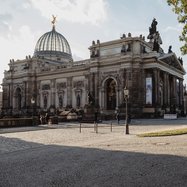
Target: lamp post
[(126, 95), (32, 102)]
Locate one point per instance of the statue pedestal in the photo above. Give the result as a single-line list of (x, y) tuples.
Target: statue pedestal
[(89, 113)]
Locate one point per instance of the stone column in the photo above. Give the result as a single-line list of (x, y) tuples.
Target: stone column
[(69, 91), (91, 83), (39, 93), (142, 87), (96, 86), (117, 96), (124, 83), (156, 86), (120, 87), (53, 92), (9, 95), (102, 99), (165, 88), (169, 89), (25, 93), (181, 95), (86, 86), (174, 90)]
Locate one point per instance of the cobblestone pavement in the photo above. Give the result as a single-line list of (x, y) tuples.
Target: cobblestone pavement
[(59, 155)]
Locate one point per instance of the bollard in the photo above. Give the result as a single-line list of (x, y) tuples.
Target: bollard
[(111, 126), (80, 128), (96, 128)]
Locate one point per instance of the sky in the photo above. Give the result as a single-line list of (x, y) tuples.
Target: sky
[(22, 22)]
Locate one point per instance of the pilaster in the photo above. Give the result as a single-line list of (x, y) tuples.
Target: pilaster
[(69, 91), (53, 92), (156, 86), (166, 85)]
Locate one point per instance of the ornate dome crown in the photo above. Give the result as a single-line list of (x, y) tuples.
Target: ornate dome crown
[(53, 44)]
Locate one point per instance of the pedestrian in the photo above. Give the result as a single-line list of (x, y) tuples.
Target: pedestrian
[(129, 119), (96, 116), (118, 117), (41, 119), (46, 118)]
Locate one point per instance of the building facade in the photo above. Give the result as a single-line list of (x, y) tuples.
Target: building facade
[(51, 80)]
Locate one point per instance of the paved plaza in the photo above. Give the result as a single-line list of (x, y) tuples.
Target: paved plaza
[(59, 155)]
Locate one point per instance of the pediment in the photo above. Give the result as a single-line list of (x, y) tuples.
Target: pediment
[(172, 61)]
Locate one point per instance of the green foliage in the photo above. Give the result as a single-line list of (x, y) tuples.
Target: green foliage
[(180, 8)]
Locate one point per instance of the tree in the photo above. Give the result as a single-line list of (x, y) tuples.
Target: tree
[(180, 8)]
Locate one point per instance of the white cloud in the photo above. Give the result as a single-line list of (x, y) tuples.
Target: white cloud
[(79, 51), (81, 11), (15, 47), (170, 28)]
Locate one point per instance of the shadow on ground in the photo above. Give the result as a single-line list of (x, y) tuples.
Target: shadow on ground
[(31, 164)]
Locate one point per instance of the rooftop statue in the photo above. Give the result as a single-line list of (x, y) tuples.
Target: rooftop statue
[(152, 29), (170, 50), (54, 20), (157, 41), (154, 36), (153, 26)]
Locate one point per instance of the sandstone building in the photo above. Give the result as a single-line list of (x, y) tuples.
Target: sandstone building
[(51, 80)]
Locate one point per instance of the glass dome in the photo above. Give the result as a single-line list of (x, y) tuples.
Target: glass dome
[(53, 44)]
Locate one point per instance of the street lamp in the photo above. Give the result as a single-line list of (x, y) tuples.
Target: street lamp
[(126, 95), (32, 102)]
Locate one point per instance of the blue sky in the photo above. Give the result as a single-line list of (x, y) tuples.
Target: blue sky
[(22, 22)]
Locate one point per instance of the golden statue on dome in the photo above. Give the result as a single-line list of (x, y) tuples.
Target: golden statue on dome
[(54, 20)]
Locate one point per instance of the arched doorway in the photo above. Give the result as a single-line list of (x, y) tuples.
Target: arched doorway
[(18, 98), (111, 94)]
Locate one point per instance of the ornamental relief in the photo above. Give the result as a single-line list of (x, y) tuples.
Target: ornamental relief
[(45, 93), (78, 92), (78, 84), (46, 87), (61, 85), (114, 74), (61, 92), (21, 86)]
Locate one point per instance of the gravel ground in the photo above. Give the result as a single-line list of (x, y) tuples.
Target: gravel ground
[(59, 155)]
